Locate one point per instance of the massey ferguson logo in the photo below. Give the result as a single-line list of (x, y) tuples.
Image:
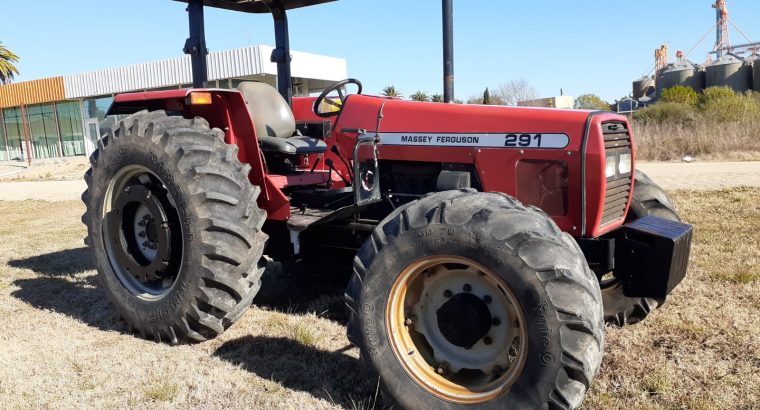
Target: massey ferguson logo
[(489, 140)]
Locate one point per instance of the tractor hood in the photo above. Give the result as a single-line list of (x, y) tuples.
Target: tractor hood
[(491, 123), (550, 158)]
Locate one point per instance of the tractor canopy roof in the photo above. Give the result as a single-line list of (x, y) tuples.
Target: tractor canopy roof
[(259, 6)]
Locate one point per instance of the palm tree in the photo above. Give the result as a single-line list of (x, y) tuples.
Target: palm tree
[(7, 67), (420, 96), (392, 92), (436, 98)]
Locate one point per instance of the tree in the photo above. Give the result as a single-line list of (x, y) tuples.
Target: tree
[(420, 96), (486, 97), (7, 65), (392, 92), (591, 102), (515, 91), (438, 98), (681, 95)]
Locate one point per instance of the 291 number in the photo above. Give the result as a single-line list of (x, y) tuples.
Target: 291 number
[(523, 140)]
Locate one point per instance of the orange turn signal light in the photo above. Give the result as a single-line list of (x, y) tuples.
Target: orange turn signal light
[(200, 98)]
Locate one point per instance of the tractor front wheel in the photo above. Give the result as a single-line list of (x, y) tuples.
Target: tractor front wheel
[(174, 227), (470, 300)]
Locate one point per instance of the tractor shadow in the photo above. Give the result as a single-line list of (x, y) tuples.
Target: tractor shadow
[(331, 376), (61, 287), (297, 290)]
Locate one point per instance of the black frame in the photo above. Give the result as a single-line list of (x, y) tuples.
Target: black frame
[(195, 45)]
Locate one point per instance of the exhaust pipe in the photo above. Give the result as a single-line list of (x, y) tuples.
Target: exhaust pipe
[(448, 51)]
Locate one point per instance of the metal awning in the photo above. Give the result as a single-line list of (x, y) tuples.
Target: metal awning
[(259, 6)]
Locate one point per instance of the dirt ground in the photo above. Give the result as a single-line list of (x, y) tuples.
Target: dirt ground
[(61, 345), (671, 175), (702, 175), (58, 169)]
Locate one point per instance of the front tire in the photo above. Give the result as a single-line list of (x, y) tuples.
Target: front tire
[(648, 199), (440, 283), (174, 227)]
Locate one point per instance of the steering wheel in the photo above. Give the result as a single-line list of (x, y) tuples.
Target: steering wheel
[(337, 104)]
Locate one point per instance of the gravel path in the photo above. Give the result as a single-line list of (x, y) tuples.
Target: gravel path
[(694, 176), (44, 191), (703, 175)]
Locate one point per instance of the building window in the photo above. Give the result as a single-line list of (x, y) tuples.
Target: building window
[(97, 107), (70, 125), (43, 130), (14, 133)]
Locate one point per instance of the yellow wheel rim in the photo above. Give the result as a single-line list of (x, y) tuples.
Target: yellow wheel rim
[(457, 329)]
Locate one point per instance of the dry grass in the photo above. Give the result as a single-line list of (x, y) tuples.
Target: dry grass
[(60, 346), (701, 138)]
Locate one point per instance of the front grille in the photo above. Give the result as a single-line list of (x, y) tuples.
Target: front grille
[(617, 141)]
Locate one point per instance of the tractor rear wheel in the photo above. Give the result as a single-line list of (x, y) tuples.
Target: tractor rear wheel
[(174, 227), (621, 310), (471, 300)]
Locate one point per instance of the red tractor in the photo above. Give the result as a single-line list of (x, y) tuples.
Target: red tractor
[(489, 244)]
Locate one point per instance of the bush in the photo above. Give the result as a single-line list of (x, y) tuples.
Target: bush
[(666, 112), (722, 104), (682, 95), (591, 102)]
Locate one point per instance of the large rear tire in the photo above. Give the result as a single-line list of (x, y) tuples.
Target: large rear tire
[(174, 227), (471, 300), (648, 199)]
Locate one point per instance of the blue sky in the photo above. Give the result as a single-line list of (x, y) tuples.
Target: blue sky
[(581, 46)]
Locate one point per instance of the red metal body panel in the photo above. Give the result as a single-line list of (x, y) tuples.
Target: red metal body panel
[(496, 166)]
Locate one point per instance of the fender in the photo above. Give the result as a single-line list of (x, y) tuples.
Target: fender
[(227, 112)]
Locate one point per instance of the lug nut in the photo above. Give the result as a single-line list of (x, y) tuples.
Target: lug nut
[(487, 340), (127, 189), (467, 288), (146, 217), (487, 299), (141, 223), (439, 370), (146, 244), (165, 225), (447, 293), (496, 321), (408, 322), (141, 234)]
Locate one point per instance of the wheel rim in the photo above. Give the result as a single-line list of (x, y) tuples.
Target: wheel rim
[(142, 233), (457, 329)]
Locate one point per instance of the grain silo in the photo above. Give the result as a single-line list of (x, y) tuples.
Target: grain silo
[(754, 60), (729, 71), (643, 87), (684, 73)]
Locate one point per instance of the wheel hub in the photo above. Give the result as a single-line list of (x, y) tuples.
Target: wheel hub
[(464, 319), (457, 329), (142, 233)]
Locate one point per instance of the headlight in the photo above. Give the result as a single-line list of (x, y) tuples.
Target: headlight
[(609, 170), (624, 164)]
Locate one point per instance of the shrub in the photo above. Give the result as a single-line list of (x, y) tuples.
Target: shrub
[(682, 95), (722, 104), (591, 102), (666, 112)]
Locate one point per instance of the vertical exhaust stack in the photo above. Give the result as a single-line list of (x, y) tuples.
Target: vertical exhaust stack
[(448, 51)]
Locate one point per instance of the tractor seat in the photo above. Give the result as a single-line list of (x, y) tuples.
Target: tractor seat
[(274, 122)]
